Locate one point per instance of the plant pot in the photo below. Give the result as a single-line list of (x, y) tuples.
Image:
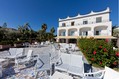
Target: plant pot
[(5, 46), (17, 45)]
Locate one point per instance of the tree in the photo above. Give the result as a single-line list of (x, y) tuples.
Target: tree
[(4, 25), (52, 30), (44, 27), (26, 32), (42, 35), (51, 35)]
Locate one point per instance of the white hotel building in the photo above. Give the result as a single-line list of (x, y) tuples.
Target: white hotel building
[(94, 24)]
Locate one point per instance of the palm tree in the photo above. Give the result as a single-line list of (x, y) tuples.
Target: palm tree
[(26, 32), (42, 35), (44, 27), (52, 30)]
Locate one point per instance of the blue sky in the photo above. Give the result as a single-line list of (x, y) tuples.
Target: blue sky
[(37, 12)]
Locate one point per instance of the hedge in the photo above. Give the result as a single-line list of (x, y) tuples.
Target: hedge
[(99, 52)]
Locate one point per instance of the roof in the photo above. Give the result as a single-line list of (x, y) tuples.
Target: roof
[(92, 13)]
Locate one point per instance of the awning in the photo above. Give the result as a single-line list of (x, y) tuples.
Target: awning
[(75, 37)]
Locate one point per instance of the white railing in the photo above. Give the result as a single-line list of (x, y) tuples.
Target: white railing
[(79, 24)]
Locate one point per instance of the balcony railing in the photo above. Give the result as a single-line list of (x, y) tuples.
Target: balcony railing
[(79, 24)]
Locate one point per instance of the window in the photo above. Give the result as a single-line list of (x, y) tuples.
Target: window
[(98, 19), (72, 33), (63, 34), (98, 32), (85, 22), (85, 33), (72, 23), (63, 24)]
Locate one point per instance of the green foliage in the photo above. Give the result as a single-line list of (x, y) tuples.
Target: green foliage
[(25, 34), (6, 42), (99, 52)]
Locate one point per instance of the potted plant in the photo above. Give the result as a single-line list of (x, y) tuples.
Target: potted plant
[(17, 43), (4, 45)]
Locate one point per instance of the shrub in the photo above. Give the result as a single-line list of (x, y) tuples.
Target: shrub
[(18, 42), (99, 52), (6, 42)]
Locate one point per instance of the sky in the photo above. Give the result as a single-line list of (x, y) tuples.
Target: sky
[(37, 12)]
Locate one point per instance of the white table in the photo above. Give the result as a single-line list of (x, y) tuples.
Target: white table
[(58, 75)]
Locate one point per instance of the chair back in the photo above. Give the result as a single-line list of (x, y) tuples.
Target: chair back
[(65, 58), (76, 60), (73, 46), (53, 49), (42, 43), (0, 70), (110, 74), (43, 62), (29, 54), (19, 52), (12, 51), (66, 46)]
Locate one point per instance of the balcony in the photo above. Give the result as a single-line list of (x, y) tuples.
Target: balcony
[(80, 24)]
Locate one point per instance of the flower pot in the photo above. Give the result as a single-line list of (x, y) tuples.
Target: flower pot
[(5, 46), (17, 45)]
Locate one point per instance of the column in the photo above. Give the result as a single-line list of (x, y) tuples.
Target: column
[(77, 32), (92, 31), (67, 41), (66, 32), (57, 39)]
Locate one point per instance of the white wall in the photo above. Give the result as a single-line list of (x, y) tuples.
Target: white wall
[(91, 17)]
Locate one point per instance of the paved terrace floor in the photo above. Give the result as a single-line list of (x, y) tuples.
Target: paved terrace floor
[(47, 49)]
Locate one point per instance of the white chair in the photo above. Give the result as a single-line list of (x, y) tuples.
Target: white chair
[(42, 43), (42, 64), (76, 65), (72, 64), (14, 52), (65, 48), (72, 48), (107, 73), (47, 42), (94, 75), (54, 54), (0, 71), (19, 52), (111, 74), (58, 75), (25, 60), (64, 62)]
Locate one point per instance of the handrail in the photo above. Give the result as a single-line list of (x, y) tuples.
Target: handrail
[(94, 22)]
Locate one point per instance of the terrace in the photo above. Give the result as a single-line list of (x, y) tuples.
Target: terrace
[(46, 64)]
